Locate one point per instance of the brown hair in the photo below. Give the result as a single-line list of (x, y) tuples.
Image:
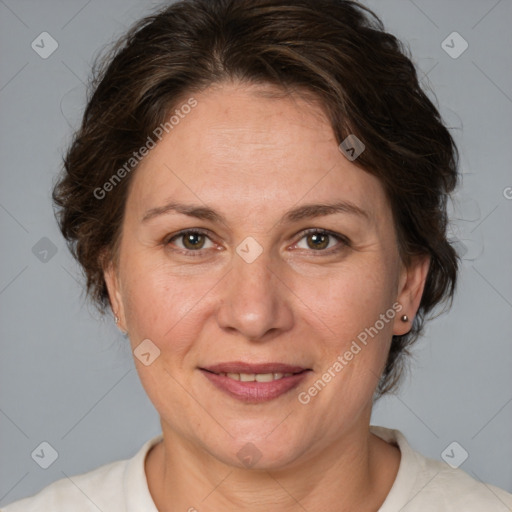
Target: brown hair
[(336, 50)]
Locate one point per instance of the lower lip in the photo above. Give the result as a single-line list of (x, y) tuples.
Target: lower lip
[(255, 392)]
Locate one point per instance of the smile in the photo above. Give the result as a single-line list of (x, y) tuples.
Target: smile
[(255, 387), (255, 377)]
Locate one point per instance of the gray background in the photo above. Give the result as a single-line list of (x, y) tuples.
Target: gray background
[(67, 376)]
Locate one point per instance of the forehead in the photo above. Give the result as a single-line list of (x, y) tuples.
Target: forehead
[(245, 145)]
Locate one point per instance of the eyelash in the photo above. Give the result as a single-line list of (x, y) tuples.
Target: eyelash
[(345, 242)]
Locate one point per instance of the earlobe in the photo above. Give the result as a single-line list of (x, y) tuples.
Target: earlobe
[(114, 292), (411, 285)]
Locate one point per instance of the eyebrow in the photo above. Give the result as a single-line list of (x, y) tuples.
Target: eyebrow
[(307, 211)]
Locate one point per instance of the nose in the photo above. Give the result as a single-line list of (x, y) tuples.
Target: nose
[(255, 301)]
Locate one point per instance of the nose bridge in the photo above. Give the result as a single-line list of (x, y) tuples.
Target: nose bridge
[(252, 272), (253, 300)]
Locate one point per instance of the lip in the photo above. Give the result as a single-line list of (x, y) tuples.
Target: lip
[(254, 392)]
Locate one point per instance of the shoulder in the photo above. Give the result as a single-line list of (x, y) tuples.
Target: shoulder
[(81, 493), (454, 489), (110, 487), (428, 485)]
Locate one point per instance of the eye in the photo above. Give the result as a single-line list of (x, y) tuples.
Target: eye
[(192, 240), (195, 241), (319, 240)]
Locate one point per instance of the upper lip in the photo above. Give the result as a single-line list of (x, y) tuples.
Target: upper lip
[(241, 367)]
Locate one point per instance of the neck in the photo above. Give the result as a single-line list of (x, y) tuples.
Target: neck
[(356, 473)]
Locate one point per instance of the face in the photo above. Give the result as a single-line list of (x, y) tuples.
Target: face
[(234, 277)]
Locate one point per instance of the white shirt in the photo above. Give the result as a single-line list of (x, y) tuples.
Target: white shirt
[(421, 485)]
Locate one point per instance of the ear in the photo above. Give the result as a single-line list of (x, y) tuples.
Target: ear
[(111, 277), (410, 289)]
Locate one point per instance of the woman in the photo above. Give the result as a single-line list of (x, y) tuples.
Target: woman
[(258, 192)]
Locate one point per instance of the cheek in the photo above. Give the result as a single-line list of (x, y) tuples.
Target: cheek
[(355, 339), (350, 299), (162, 306)]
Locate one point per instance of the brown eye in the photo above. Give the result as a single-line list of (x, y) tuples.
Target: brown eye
[(320, 241), (193, 240), (189, 241)]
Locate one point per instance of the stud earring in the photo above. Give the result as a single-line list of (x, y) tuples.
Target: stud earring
[(404, 318)]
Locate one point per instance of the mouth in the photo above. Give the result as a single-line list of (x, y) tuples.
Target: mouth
[(254, 383), (255, 377)]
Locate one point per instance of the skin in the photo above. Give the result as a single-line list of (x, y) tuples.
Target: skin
[(252, 158)]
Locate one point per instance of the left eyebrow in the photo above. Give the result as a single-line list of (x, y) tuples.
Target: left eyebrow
[(310, 211), (307, 211)]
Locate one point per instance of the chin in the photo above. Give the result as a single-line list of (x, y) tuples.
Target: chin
[(257, 452)]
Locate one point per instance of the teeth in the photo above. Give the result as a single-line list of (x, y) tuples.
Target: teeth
[(264, 377), (255, 377)]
